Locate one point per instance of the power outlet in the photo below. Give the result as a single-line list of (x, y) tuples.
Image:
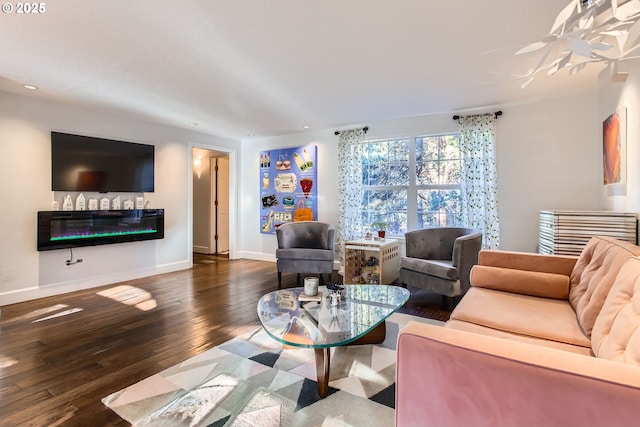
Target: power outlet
[(68, 260)]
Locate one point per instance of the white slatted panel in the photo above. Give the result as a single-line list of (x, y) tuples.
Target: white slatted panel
[(567, 232)]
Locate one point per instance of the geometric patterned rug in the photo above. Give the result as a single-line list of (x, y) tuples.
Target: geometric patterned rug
[(252, 380)]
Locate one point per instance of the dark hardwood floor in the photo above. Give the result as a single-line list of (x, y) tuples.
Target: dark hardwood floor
[(60, 356)]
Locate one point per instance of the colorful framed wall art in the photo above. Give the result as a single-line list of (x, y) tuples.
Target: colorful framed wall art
[(288, 186)]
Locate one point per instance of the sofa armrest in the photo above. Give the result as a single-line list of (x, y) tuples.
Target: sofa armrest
[(557, 264), (524, 273), (449, 377), (534, 283)]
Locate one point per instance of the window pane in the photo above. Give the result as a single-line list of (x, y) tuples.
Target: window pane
[(426, 149), (450, 172), (389, 206), (449, 147), (386, 163), (427, 173), (439, 208), (438, 160)]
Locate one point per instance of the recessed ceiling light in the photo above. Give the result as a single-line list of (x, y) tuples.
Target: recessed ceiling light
[(30, 87), (305, 126), (251, 134), (193, 124)]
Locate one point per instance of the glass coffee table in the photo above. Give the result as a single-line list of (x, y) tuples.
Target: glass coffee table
[(359, 318)]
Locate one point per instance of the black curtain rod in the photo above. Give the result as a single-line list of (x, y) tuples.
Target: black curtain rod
[(496, 115), (365, 129)]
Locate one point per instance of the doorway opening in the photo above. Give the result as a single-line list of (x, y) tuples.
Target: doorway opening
[(211, 204)]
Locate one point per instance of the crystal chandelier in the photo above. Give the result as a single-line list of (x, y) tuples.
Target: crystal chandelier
[(588, 31)]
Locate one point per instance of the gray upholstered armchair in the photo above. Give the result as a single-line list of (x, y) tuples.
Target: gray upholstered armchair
[(305, 247), (439, 260)]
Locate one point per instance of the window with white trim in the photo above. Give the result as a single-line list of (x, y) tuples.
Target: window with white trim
[(412, 183)]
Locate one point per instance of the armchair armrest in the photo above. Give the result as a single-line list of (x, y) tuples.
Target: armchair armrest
[(465, 255), (457, 378)]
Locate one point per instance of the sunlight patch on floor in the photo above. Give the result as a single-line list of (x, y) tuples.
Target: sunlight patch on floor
[(366, 372), (59, 314), (58, 310), (131, 296), (42, 311), (5, 361)]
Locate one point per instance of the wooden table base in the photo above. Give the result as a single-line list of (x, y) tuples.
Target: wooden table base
[(323, 356)]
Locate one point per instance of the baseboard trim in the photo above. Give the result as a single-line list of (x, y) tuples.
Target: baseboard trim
[(259, 256), (52, 289), (202, 250)]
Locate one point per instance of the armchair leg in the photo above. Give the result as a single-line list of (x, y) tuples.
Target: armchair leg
[(279, 280), (298, 280)]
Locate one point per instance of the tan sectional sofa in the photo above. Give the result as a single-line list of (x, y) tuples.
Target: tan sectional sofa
[(539, 340)]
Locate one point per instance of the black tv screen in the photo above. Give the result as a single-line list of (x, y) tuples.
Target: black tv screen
[(84, 163)]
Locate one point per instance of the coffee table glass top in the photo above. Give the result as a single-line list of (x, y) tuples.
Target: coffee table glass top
[(318, 324)]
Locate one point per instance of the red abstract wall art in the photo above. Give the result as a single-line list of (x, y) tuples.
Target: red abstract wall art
[(613, 147)]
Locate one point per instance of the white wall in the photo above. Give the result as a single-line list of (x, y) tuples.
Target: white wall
[(25, 188), (548, 158), (622, 197)]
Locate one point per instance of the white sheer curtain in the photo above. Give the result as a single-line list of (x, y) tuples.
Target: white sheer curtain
[(479, 177), (350, 149)]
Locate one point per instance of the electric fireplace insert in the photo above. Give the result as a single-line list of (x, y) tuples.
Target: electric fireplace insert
[(72, 229)]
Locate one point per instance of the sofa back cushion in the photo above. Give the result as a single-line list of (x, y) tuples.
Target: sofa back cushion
[(616, 332), (594, 274)]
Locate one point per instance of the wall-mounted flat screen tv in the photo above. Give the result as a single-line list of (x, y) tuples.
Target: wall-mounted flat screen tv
[(84, 163)]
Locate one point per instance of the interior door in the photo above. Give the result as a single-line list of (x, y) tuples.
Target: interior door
[(220, 200)]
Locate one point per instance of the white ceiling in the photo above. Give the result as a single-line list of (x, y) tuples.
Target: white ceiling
[(268, 67)]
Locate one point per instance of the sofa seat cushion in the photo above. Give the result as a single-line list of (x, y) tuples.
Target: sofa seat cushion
[(438, 268), (616, 332), (479, 329), (594, 274), (526, 315), (304, 254)]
